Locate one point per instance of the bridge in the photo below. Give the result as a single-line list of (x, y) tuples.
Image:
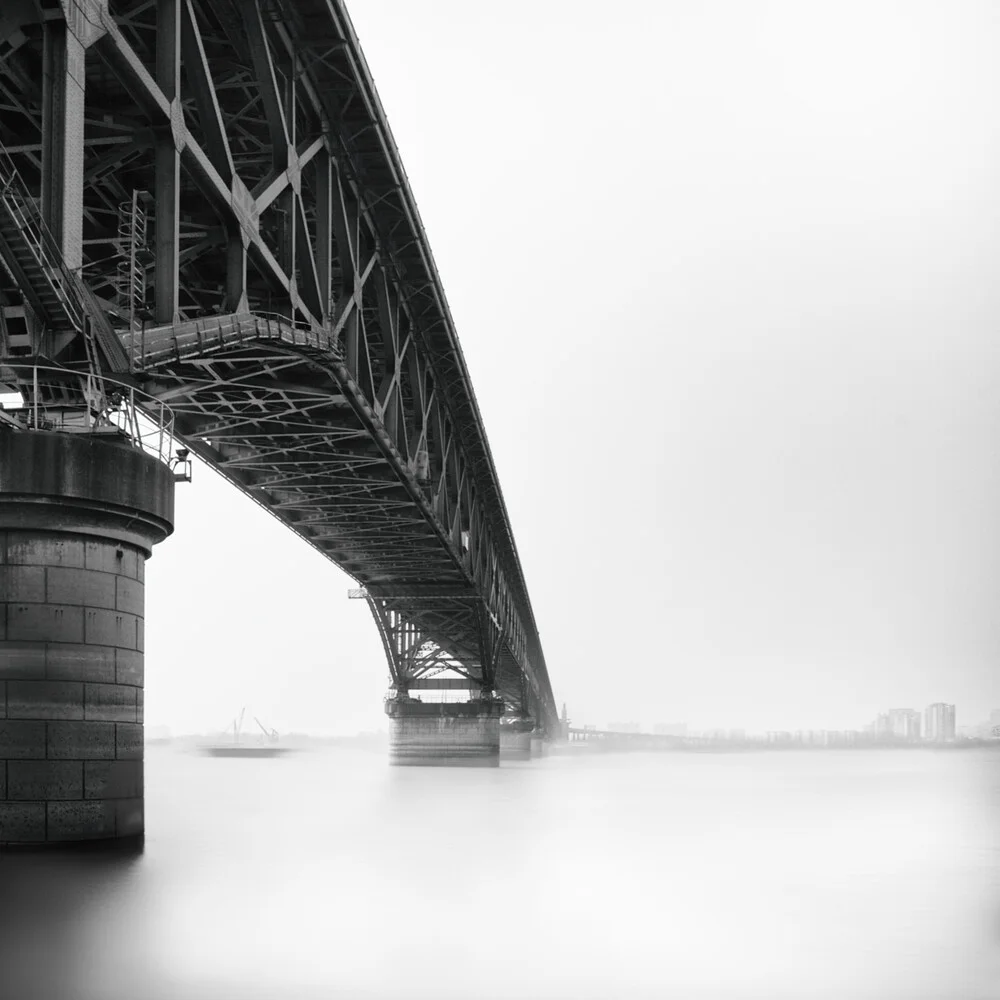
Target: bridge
[(209, 246)]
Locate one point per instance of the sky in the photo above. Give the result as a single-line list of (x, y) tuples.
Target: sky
[(725, 278)]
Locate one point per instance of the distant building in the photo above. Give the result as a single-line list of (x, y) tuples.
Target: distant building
[(881, 726), (623, 727), (939, 722), (904, 723), (995, 717), (670, 729), (779, 736)]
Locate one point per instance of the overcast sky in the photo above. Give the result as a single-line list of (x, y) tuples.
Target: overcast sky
[(726, 280)]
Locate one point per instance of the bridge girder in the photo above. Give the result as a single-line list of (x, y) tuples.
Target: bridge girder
[(292, 317)]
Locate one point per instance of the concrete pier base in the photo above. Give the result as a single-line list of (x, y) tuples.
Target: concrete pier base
[(79, 515), (514, 744), (537, 745), (464, 734)]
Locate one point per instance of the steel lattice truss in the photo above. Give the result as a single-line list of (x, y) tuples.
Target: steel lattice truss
[(285, 306)]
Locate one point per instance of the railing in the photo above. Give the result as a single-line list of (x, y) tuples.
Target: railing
[(22, 209), (110, 407), (151, 345), (83, 312)]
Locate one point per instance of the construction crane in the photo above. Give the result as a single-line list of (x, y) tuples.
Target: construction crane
[(238, 725), (269, 734)]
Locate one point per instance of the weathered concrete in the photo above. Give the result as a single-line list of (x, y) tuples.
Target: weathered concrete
[(79, 516), (514, 744), (538, 748), (463, 734)]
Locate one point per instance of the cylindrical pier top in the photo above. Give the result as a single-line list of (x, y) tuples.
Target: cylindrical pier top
[(86, 484)]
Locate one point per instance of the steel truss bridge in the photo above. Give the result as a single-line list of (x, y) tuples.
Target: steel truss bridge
[(202, 199)]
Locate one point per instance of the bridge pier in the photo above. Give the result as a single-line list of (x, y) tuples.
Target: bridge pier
[(457, 734), (515, 744), (537, 744), (79, 515)]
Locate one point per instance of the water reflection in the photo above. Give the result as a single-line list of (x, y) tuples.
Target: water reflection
[(849, 875)]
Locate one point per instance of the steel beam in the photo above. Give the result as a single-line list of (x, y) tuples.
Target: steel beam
[(63, 89), (368, 315), (166, 276)]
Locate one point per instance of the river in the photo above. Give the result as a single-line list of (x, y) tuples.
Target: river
[(855, 875)]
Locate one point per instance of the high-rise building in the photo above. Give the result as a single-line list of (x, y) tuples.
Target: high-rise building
[(939, 722), (904, 723)]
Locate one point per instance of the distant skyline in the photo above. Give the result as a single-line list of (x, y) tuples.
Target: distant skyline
[(724, 276), (983, 718)]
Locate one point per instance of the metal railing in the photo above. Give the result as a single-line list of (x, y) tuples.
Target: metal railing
[(21, 207), (75, 402), (150, 345), (82, 310)]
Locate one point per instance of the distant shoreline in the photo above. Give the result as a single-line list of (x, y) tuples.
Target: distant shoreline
[(636, 744)]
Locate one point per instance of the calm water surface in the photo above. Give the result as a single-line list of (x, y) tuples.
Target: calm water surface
[(800, 875)]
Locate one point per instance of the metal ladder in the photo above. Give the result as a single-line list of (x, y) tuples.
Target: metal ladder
[(132, 246)]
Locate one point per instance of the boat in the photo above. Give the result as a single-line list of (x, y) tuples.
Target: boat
[(266, 744)]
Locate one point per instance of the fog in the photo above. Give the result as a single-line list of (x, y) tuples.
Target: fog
[(860, 875), (724, 275)]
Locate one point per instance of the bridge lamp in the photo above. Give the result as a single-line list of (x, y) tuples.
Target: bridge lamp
[(181, 466)]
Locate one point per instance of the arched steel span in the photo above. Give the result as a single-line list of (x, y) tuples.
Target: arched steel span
[(285, 303)]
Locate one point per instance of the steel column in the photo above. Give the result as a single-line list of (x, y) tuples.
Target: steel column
[(168, 165), (63, 90)]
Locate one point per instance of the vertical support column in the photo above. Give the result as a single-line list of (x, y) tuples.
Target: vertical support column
[(346, 230), (324, 230), (515, 742), (63, 91), (78, 518), (278, 105), (168, 165), (490, 647), (432, 733), (287, 160), (236, 271), (217, 146), (460, 734)]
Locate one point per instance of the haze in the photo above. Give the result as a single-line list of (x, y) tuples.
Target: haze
[(725, 276)]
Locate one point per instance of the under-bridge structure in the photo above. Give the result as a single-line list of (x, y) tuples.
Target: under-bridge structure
[(209, 246)]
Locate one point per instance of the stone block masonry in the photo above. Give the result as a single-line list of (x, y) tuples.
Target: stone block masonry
[(78, 519), (464, 734)]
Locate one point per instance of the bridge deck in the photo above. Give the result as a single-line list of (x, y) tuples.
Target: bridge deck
[(259, 149), (269, 405)]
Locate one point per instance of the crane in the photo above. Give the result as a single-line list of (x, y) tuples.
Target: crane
[(269, 734), (238, 725)]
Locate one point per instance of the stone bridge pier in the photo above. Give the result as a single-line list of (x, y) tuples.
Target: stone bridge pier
[(79, 515), (462, 734)]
